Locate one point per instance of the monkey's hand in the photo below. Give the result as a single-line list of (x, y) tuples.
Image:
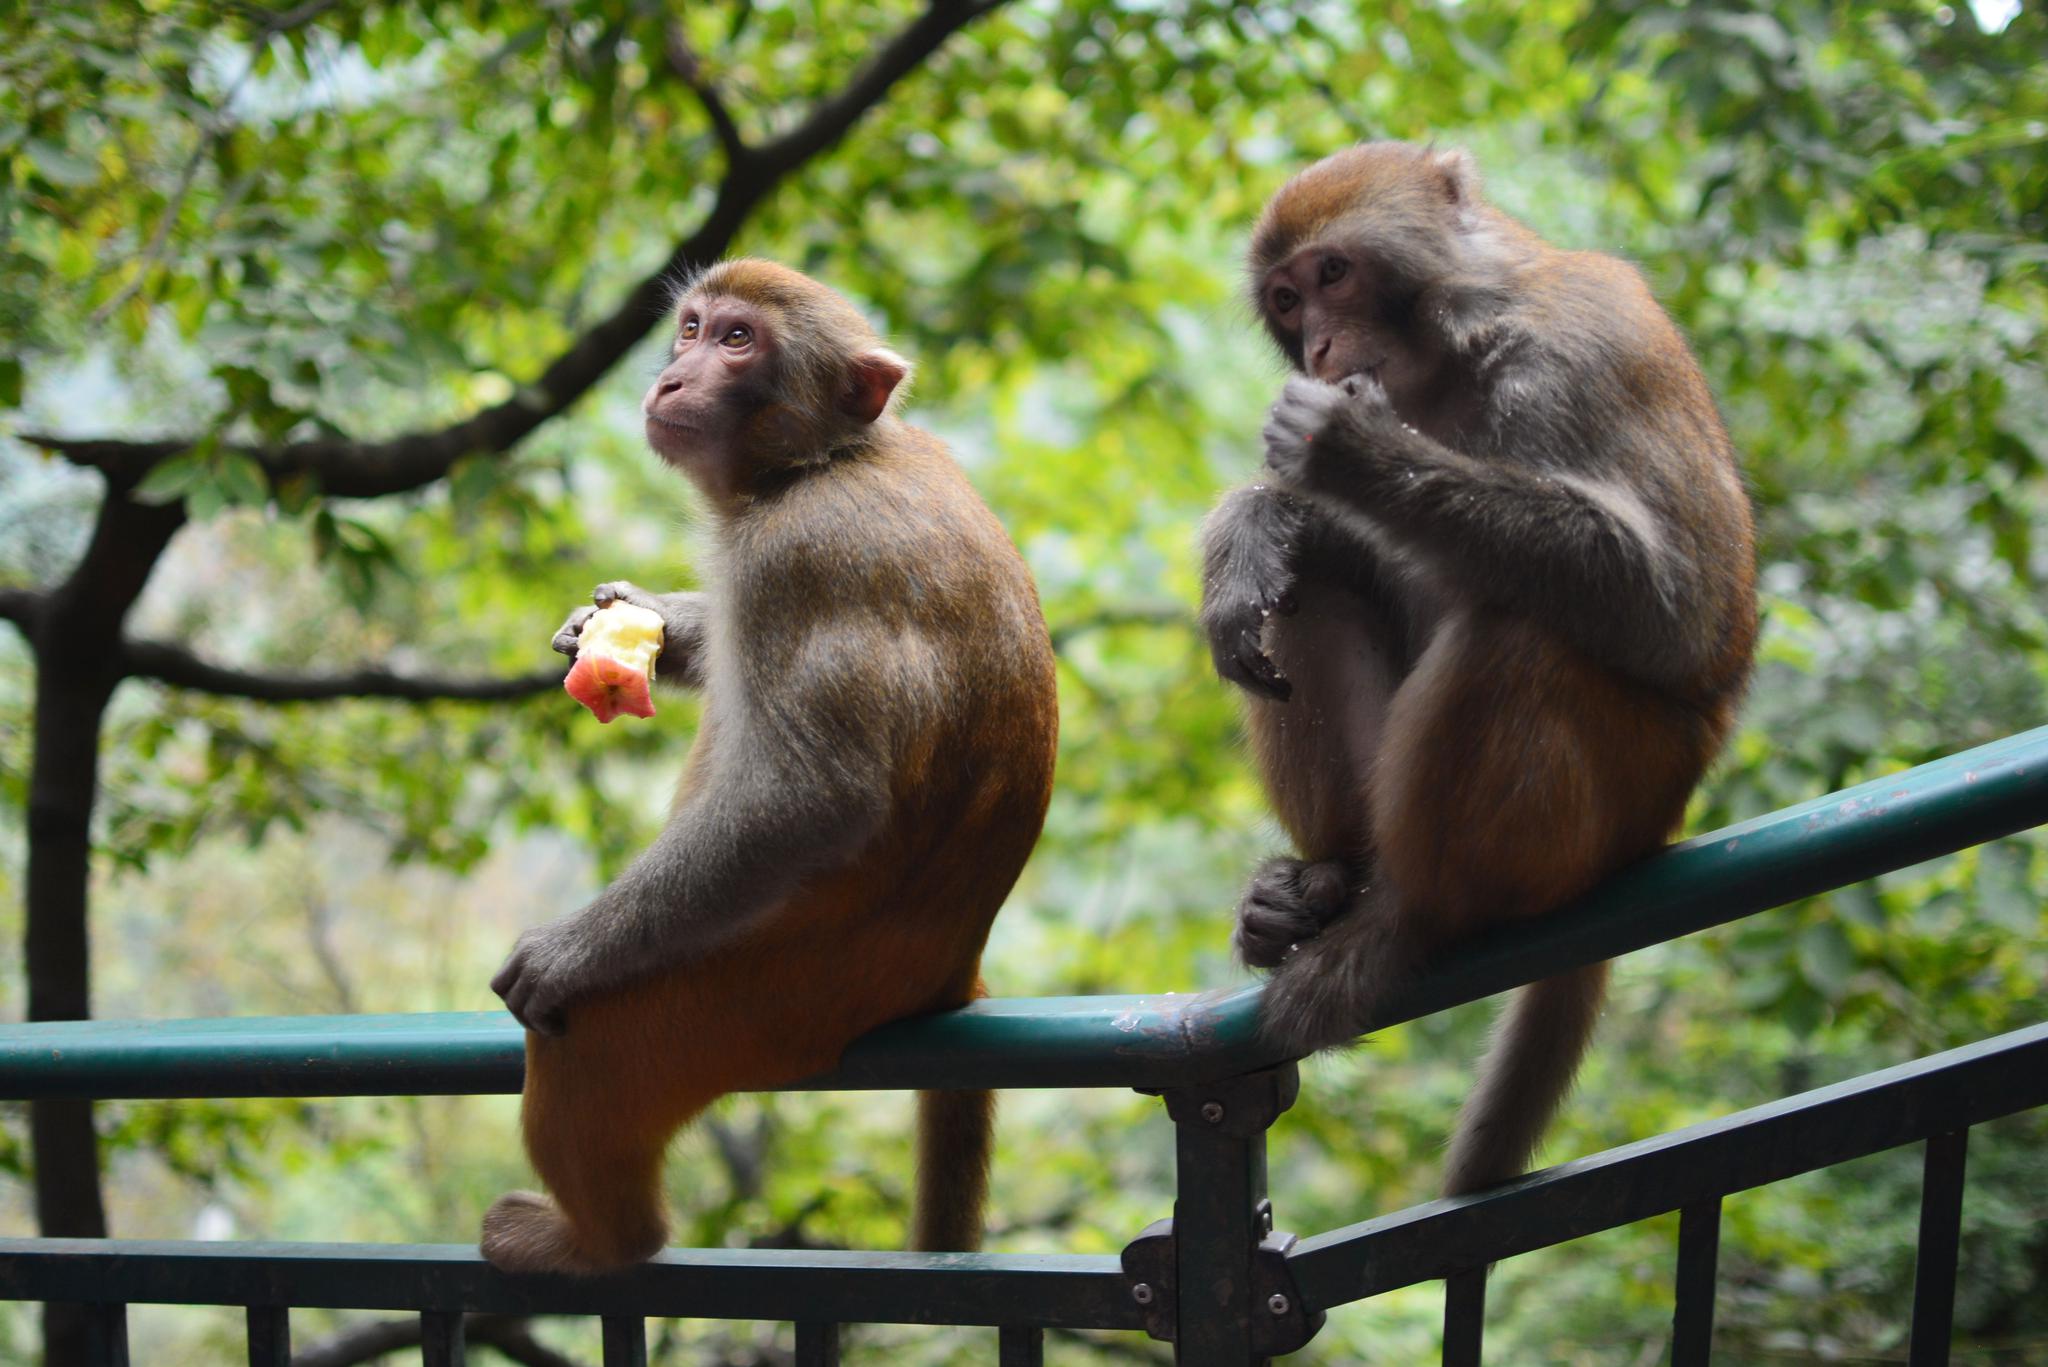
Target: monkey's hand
[(1248, 574), (544, 973), (570, 637), (682, 627), (1234, 620), (1313, 425)]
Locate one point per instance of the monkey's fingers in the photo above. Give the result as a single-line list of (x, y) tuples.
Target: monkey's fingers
[(570, 636), (520, 991), (1260, 943), (624, 591), (1239, 660)]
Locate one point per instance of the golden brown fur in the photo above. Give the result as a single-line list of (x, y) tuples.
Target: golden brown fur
[(865, 563), (1494, 608)]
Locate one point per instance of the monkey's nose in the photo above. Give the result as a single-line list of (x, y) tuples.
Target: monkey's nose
[(1322, 350), (667, 385)]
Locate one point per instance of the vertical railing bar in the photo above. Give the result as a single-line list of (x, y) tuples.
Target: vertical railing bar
[(1941, 1232), (1699, 1252), (817, 1344), (106, 1335), (270, 1336), (625, 1340), (1020, 1346), (442, 1339), (1464, 1317)]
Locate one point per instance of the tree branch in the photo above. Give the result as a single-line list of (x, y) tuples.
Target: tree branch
[(178, 667), (366, 1342), (353, 469), (22, 607), (683, 60), (831, 118)]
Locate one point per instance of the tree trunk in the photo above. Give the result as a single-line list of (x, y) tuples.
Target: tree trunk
[(62, 784), (77, 642)]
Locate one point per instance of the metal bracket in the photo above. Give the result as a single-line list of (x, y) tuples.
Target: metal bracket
[(1281, 1321), (1149, 1269), (1287, 1322), (1242, 1107)]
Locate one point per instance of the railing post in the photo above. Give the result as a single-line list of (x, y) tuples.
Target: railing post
[(270, 1336), (106, 1335), (443, 1338), (1934, 1265), (1211, 1280)]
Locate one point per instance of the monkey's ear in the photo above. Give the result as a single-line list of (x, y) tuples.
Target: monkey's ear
[(872, 376), (1460, 173)]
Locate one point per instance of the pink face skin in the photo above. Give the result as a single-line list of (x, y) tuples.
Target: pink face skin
[(721, 358), (1326, 299)]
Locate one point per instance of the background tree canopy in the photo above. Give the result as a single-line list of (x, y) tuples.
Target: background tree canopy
[(325, 329)]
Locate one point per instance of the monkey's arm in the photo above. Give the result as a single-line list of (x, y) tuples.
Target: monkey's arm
[(683, 617), (795, 784), (1586, 556)]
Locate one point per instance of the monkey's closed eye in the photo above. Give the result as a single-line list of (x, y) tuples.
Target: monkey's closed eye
[(1333, 269)]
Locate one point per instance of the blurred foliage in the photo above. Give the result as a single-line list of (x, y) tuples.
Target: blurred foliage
[(363, 218)]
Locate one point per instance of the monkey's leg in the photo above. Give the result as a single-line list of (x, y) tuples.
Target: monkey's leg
[(1316, 754), (597, 1116), (1325, 990), (1516, 775)]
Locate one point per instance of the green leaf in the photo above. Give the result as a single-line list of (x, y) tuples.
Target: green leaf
[(1826, 958), (171, 478), (60, 166), (241, 479)]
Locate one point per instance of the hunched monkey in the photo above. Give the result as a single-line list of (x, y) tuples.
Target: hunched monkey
[(870, 772), (1493, 605)]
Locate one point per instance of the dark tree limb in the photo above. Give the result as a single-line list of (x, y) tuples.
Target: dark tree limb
[(23, 607), (367, 1342), (683, 60), (832, 118), (357, 469), (76, 637), (180, 668)]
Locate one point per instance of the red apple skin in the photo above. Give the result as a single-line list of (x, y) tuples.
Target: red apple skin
[(608, 688)]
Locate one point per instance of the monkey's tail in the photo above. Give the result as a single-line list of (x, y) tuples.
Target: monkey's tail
[(955, 1135), (1538, 1040)]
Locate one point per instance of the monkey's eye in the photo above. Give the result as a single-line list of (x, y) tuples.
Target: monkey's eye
[(1333, 269), (690, 327), (1284, 300), (737, 336)]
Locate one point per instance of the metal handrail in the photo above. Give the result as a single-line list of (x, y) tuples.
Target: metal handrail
[(1152, 1042)]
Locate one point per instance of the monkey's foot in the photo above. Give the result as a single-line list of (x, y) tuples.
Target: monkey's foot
[(1330, 992), (524, 1231), (1286, 902)]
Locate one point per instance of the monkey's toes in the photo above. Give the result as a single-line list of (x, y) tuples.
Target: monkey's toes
[(1286, 902)]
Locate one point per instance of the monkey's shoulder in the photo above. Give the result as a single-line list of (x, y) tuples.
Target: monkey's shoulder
[(1588, 337), (897, 529)]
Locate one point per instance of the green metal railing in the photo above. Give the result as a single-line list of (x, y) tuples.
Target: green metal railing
[(1215, 1279)]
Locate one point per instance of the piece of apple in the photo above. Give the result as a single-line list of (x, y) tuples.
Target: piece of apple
[(614, 667)]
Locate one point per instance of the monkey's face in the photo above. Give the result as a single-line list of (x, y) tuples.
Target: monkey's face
[(1334, 315), (719, 372)]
